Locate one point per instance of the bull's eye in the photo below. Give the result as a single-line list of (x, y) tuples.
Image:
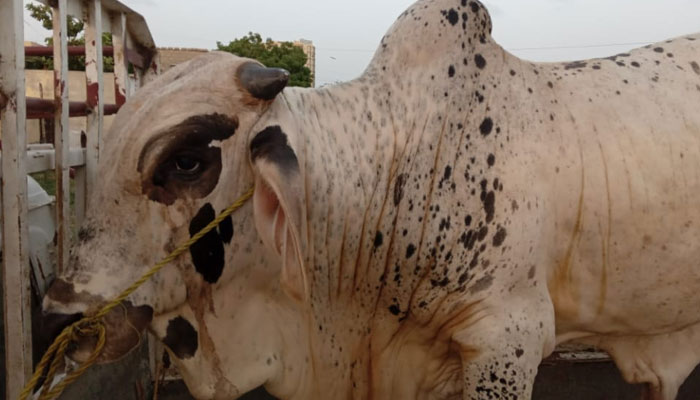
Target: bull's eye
[(184, 160), (190, 170), (187, 164)]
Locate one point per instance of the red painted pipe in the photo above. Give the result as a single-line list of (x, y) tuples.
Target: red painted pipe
[(47, 51), (44, 108)]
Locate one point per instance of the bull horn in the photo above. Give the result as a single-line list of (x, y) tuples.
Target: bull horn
[(261, 82)]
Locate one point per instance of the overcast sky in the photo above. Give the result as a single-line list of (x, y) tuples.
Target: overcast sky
[(346, 33)]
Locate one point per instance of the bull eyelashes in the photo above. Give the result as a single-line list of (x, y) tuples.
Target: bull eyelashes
[(187, 164), (261, 82)]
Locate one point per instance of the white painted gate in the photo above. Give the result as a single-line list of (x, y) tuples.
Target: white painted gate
[(132, 45)]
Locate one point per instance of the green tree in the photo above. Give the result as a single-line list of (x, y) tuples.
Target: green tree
[(272, 54), (76, 37)]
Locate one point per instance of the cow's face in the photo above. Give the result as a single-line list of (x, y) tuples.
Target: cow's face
[(179, 152)]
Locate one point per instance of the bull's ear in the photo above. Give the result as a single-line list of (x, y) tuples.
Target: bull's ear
[(278, 205)]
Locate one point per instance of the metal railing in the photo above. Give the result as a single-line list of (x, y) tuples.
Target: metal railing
[(132, 44)]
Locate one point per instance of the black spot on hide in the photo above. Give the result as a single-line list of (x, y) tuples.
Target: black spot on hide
[(378, 239), (398, 188), (486, 126), (575, 65), (491, 160), (208, 253), (452, 16), (181, 338), (410, 250), (272, 144), (695, 66), (226, 229), (499, 237), (475, 7), (480, 61)]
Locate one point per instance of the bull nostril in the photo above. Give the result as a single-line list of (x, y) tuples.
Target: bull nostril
[(53, 324)]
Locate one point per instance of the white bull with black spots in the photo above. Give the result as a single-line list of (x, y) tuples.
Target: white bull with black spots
[(430, 230)]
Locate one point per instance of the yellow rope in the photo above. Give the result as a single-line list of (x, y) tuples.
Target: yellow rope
[(93, 325)]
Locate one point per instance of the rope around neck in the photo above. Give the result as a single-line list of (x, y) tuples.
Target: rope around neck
[(94, 326)]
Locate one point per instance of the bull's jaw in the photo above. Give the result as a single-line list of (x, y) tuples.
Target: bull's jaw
[(240, 347)]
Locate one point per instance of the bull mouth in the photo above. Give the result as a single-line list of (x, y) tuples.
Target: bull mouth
[(124, 327)]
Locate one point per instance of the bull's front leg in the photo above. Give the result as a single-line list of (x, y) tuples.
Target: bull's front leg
[(501, 353)]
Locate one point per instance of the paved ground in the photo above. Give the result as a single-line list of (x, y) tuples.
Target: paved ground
[(176, 390), (561, 380), (569, 381)]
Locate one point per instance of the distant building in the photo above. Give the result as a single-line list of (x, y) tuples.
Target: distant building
[(310, 51), (172, 56)]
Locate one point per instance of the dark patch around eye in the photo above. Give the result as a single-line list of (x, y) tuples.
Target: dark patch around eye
[(198, 130), (191, 139), (272, 145), (181, 338)]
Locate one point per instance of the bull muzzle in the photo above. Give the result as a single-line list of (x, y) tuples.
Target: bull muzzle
[(124, 325)]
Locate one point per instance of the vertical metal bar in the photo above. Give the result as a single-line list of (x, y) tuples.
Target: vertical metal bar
[(15, 263), (80, 197), (152, 71), (153, 358), (62, 131), (138, 78), (121, 67), (95, 98)]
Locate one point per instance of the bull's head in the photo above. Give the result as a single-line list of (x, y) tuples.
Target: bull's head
[(178, 153)]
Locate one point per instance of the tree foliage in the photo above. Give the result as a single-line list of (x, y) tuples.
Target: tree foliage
[(44, 15), (76, 37), (272, 54)]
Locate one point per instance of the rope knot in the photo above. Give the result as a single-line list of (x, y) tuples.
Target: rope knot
[(86, 328)]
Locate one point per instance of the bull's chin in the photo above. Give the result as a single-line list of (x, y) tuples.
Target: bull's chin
[(124, 327)]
